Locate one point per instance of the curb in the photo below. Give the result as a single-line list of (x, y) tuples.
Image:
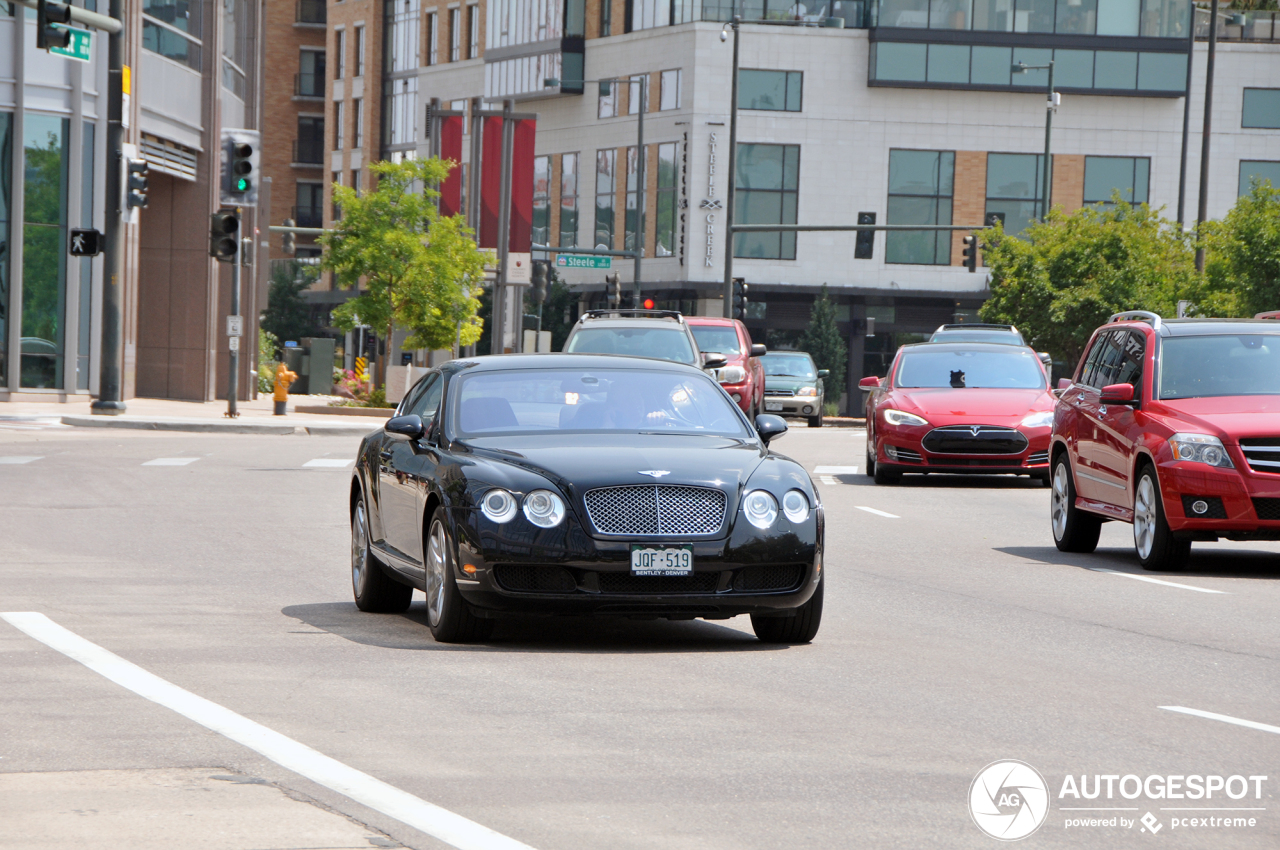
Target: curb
[(328, 410), (213, 426)]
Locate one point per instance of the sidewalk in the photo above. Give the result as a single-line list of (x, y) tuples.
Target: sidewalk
[(208, 417)]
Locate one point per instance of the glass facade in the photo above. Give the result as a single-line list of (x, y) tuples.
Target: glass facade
[(921, 184), (605, 161), (1015, 187), (665, 225), (1251, 170), (631, 218), (767, 192), (6, 196), (46, 160), (1144, 18), (542, 200), (1261, 109), (85, 313), (1128, 175), (569, 200), (778, 91), (172, 28)]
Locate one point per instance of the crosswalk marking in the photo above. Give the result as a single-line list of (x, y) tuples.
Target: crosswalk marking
[(171, 461), (835, 470), (827, 479), (328, 463), (16, 459), (877, 512)]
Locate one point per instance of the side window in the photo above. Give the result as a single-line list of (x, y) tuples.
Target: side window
[(1092, 360), (426, 399), (415, 394), (1108, 363), (1130, 371)]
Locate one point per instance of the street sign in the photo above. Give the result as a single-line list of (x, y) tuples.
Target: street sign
[(519, 267), (234, 343), (235, 325), (78, 47), (583, 261), (85, 243)]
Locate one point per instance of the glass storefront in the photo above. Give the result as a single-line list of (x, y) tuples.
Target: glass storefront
[(46, 140), (6, 193)]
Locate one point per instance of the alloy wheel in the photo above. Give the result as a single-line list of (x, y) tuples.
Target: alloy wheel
[(359, 548), (1144, 517), (1058, 501), (437, 563)]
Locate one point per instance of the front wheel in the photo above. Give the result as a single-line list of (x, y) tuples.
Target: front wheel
[(871, 454), (816, 421), (886, 475), (450, 619), (798, 629), (374, 590), (1073, 529), (1157, 548)]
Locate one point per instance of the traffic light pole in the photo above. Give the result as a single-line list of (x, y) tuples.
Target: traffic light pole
[(729, 193), (233, 376)]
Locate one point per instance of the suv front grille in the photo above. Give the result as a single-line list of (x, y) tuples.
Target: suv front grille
[(656, 509), (780, 393), (1262, 453), (975, 440)]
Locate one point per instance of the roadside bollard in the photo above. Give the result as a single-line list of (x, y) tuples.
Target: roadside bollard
[(281, 395)]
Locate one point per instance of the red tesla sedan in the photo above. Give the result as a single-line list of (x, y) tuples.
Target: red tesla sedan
[(962, 407)]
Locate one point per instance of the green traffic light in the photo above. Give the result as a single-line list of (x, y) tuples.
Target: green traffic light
[(242, 184)]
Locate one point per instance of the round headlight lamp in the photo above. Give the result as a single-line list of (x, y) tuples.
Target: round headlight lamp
[(498, 505), (796, 506), (544, 508), (761, 508)]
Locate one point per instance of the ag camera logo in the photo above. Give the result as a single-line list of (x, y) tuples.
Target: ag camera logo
[(1008, 800)]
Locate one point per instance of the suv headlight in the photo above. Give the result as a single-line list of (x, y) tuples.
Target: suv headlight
[(761, 508), (498, 505), (733, 375), (1200, 448), (901, 417), (1040, 419), (807, 391), (544, 508)]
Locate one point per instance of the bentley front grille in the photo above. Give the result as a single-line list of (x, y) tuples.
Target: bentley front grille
[(656, 509)]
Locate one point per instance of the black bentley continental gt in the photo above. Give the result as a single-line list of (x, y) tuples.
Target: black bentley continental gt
[(583, 484)]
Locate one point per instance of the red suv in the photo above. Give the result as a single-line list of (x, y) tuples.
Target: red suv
[(742, 376), (1173, 426)]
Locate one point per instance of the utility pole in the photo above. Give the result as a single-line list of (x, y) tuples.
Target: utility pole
[(733, 154), (1202, 202), (1186, 118), (233, 374), (1050, 106), (501, 291)]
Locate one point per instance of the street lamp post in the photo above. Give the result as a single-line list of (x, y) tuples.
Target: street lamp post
[(735, 24), (1050, 106)]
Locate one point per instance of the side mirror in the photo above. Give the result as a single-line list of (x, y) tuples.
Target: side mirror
[(1064, 383), (407, 427), (759, 349), (1046, 358), (871, 383), (713, 360), (822, 373), (1118, 394), (770, 427)]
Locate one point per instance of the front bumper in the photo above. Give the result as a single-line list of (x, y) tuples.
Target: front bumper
[(904, 452), (744, 394), (793, 405), (1236, 504)]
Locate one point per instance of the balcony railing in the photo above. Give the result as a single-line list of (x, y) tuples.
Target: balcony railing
[(308, 151), (1240, 26), (852, 14), (308, 85), (308, 217), (311, 12)]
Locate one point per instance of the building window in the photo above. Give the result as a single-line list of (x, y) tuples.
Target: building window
[(311, 73), (473, 31), (401, 30), (337, 125), (1261, 109), (631, 217), (399, 108), (6, 207), (339, 54), (455, 35), (665, 226), (359, 51), (920, 189), (308, 148), (433, 24), (171, 28), (768, 192), (569, 200), (1251, 170), (357, 122), (607, 105), (541, 200), (777, 91), (633, 92), (337, 181), (46, 150), (309, 211), (605, 161), (606, 17), (1015, 187), (647, 14), (1148, 18), (1130, 175), (669, 95), (355, 179)]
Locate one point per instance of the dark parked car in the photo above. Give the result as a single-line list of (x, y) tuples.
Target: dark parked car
[(583, 484), (660, 334)]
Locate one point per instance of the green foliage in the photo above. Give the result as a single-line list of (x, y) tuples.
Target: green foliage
[(419, 269), (268, 344), (824, 343), (1242, 257), (1068, 274), (287, 315)]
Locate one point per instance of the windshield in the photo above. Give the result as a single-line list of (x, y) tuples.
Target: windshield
[(968, 368), (999, 337), (659, 343), (712, 338), (1206, 366), (788, 366), (595, 400)]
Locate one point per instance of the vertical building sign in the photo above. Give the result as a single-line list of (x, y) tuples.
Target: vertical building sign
[(710, 204)]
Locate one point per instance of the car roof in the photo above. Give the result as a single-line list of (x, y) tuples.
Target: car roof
[(966, 346), (1199, 327), (561, 360), (784, 351), (976, 326), (655, 322), (711, 320)]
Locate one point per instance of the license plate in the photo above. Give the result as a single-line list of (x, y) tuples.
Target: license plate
[(773, 405), (661, 560)]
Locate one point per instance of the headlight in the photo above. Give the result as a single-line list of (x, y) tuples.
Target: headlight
[(761, 508), (544, 508), (733, 375), (1200, 448), (796, 506), (900, 417), (812, 392), (498, 505), (1042, 419)]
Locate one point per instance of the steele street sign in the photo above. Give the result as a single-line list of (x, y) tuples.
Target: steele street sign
[(78, 48), (85, 243), (582, 261)]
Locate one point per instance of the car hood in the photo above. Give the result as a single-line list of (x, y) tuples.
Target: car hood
[(945, 406), (775, 382), (1227, 417)]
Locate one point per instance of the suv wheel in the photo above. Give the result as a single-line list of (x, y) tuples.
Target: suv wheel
[(1157, 548), (1073, 529)]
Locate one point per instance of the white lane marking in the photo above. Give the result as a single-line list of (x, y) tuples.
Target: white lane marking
[(443, 824), (827, 479), (835, 470), (328, 462), (16, 459), (1156, 580), (1225, 718), (171, 461), (876, 512)]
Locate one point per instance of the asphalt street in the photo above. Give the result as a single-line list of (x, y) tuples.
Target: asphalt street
[(954, 635)]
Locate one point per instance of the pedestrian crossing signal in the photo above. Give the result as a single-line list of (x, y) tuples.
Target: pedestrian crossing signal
[(224, 235)]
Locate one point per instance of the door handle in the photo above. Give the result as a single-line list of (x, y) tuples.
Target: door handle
[(1102, 411)]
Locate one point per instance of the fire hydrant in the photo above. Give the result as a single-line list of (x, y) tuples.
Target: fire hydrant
[(281, 395)]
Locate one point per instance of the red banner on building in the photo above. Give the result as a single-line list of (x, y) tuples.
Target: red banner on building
[(451, 149), (521, 237)]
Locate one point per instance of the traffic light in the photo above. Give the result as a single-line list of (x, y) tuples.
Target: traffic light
[(242, 175), (290, 239), (971, 252), (136, 183), (740, 298), (224, 235), (539, 278), (865, 244), (46, 35), (614, 283), (648, 303)]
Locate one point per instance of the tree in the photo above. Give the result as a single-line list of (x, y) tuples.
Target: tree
[(420, 270), (824, 343), (287, 316), (1242, 256), (1069, 273)]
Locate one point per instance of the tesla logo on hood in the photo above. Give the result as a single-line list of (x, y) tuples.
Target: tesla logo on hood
[(656, 473), (974, 429)]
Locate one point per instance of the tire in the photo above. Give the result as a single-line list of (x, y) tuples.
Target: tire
[(1155, 544), (871, 455), (374, 590), (1044, 480), (798, 629), (816, 421), (448, 614), (887, 476), (1074, 530)]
